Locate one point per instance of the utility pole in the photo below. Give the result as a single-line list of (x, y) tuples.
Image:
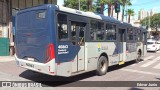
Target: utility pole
[(126, 13), (149, 21), (117, 15), (79, 4)]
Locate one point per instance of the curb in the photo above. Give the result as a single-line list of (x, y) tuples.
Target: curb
[(7, 58)]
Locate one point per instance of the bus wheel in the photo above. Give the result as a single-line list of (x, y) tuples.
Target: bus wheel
[(138, 59), (102, 66)]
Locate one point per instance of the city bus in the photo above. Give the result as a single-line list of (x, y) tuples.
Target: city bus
[(61, 41)]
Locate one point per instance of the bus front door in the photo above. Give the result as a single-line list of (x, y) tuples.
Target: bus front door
[(122, 40), (77, 37)]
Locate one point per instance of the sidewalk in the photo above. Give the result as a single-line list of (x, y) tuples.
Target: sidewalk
[(7, 58)]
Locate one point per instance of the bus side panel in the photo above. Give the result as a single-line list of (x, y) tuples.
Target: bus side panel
[(92, 57), (131, 51), (110, 48), (114, 51), (140, 46)]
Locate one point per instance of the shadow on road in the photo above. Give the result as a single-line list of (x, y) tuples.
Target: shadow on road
[(116, 67), (158, 78), (48, 80), (135, 88), (151, 52), (62, 81)]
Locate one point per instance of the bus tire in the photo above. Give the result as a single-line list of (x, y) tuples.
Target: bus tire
[(102, 66), (138, 59)]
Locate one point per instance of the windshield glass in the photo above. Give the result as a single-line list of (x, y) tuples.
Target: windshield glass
[(150, 42)]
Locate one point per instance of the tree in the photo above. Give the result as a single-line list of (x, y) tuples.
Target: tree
[(85, 5), (102, 3), (110, 4), (155, 21), (71, 4), (145, 21), (130, 13), (89, 5), (124, 3), (152, 21)]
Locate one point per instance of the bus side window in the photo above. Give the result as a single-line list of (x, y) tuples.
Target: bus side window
[(81, 36), (97, 31), (73, 33), (93, 30), (130, 34), (110, 32), (62, 27)]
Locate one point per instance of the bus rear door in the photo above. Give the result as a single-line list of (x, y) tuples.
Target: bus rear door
[(77, 37)]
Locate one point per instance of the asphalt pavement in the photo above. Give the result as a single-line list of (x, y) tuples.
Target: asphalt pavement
[(146, 70)]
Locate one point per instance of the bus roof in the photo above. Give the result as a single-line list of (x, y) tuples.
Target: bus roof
[(127, 24), (78, 12), (87, 14)]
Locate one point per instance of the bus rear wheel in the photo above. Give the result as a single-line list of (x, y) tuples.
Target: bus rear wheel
[(138, 59), (102, 66)]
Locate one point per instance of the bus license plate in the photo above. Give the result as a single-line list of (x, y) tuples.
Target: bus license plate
[(30, 65)]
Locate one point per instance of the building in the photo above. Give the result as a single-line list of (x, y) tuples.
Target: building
[(142, 14), (125, 19), (8, 9), (137, 23), (3, 18)]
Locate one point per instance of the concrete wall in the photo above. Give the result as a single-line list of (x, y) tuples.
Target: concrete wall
[(16, 5), (3, 19), (21, 4), (8, 9)]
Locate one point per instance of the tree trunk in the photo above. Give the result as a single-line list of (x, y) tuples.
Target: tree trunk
[(89, 5), (156, 35), (129, 18), (109, 9), (123, 12), (156, 27), (112, 10), (102, 8)]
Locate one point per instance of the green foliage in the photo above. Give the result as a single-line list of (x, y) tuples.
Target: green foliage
[(154, 21), (75, 4), (95, 4), (145, 21), (83, 5), (124, 3), (71, 4), (130, 13)]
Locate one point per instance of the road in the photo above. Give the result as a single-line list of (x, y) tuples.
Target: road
[(146, 70)]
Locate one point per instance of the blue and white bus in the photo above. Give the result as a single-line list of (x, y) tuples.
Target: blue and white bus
[(61, 41)]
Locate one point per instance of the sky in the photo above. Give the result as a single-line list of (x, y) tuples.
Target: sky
[(137, 5), (146, 5)]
